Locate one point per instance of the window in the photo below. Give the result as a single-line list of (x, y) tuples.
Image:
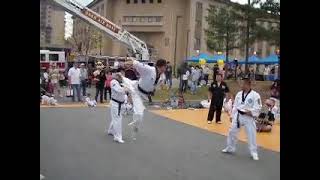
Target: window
[(135, 19), (151, 1), (128, 1), (143, 1), (53, 57), (159, 1), (158, 19), (197, 44), (129, 19), (143, 19), (42, 57), (135, 1), (150, 19), (166, 41)]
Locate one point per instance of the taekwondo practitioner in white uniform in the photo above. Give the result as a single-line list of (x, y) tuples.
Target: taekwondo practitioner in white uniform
[(149, 77), (46, 100), (246, 107), (118, 93), (90, 102)]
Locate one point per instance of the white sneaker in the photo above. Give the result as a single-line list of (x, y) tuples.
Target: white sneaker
[(226, 150), (209, 122), (255, 157), (41, 177), (118, 140)]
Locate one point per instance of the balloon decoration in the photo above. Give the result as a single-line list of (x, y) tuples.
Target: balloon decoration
[(202, 61), (220, 64)]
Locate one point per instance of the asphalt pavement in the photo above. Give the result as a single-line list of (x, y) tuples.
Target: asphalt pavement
[(73, 146)]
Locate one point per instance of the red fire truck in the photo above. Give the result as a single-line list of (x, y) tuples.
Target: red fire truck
[(48, 58)]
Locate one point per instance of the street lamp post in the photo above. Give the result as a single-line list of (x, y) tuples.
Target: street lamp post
[(247, 37), (175, 47)]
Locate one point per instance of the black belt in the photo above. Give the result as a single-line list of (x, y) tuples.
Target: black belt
[(119, 107), (145, 92)]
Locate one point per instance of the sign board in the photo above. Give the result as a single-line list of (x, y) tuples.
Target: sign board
[(100, 20)]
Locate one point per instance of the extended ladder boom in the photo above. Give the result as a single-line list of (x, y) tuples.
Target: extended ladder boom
[(138, 46)]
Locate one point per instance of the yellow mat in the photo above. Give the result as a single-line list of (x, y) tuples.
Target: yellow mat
[(198, 118)]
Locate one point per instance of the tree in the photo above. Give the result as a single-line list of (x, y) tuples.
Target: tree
[(271, 6), (223, 29), (84, 39), (255, 30)]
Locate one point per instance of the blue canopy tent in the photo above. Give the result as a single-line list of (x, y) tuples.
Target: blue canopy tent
[(251, 60), (272, 59), (207, 57), (217, 57)]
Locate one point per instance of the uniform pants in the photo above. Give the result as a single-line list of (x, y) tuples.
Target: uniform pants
[(250, 128), (214, 109), (137, 103), (115, 126)]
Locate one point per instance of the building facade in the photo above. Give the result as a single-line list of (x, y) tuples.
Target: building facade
[(173, 28), (52, 25)]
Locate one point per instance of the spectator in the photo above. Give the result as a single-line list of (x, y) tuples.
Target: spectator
[(259, 72), (266, 73), (46, 78), (217, 92), (276, 72), (223, 73), (275, 89), (130, 74), (199, 69), (62, 79), (215, 71), (83, 78), (54, 76), (181, 71), (74, 80), (252, 75), (168, 74), (100, 81), (239, 73), (185, 78), (50, 87), (267, 116), (206, 72), (107, 87), (90, 75), (194, 79)]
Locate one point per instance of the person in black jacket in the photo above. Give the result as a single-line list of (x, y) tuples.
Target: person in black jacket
[(101, 78), (217, 92)]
